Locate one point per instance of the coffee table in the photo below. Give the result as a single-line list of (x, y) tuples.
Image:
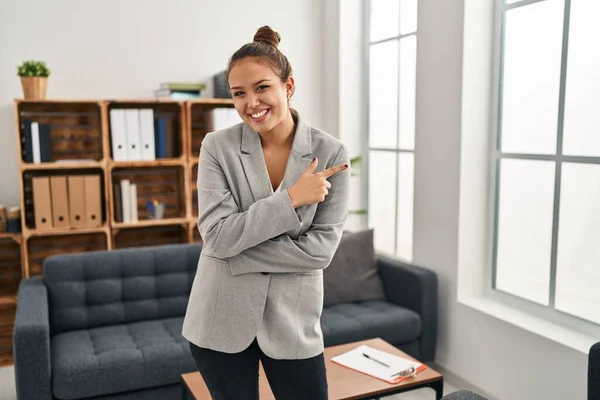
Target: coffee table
[(343, 383)]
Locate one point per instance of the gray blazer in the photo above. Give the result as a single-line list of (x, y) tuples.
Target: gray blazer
[(260, 272)]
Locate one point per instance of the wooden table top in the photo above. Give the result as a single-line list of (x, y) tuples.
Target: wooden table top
[(343, 383)]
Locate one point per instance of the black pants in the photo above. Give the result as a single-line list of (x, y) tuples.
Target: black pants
[(235, 376)]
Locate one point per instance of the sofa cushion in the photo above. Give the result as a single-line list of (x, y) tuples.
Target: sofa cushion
[(119, 358), (350, 322), (352, 274), (87, 290)]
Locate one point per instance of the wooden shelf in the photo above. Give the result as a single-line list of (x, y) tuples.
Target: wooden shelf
[(150, 222), (143, 100), (212, 102), (81, 129), (59, 101), (163, 162), (9, 235), (64, 231), (61, 166), (7, 300)]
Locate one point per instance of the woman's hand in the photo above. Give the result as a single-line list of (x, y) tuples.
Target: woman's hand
[(312, 188)]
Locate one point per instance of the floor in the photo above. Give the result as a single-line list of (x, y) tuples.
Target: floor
[(7, 388)]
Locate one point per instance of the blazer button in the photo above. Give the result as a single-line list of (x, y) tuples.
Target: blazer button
[(265, 273)]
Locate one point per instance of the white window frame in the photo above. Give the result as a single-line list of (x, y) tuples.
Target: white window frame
[(478, 194), (367, 43)]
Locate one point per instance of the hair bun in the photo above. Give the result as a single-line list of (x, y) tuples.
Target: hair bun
[(267, 35)]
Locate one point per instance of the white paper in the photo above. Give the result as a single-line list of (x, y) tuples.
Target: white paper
[(354, 359)]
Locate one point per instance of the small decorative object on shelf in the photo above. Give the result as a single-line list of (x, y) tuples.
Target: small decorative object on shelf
[(34, 79), (10, 219), (156, 209), (13, 221)]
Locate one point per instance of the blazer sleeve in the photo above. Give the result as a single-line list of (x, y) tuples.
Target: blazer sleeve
[(225, 231), (315, 249)]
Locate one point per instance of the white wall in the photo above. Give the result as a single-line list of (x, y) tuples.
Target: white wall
[(343, 90), (125, 49), (506, 361)]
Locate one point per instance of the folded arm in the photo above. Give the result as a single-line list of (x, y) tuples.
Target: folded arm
[(225, 231), (312, 251)]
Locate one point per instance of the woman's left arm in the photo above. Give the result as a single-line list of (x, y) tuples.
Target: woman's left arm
[(315, 249)]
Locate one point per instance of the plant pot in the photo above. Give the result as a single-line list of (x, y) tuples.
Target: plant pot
[(34, 87)]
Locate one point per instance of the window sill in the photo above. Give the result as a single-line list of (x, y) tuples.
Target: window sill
[(549, 330)]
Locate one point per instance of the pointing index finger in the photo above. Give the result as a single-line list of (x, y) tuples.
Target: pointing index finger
[(333, 170)]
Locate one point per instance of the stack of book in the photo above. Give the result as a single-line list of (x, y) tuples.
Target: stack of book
[(180, 90), (126, 201), (10, 219), (36, 142)]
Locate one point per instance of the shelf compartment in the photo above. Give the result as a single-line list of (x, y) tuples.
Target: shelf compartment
[(74, 130), (164, 184), (201, 122), (28, 196), (150, 236), (171, 112), (42, 247)]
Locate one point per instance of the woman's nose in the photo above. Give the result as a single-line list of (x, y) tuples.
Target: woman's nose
[(253, 100)]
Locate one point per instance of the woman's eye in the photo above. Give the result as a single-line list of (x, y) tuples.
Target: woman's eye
[(238, 94), (262, 87)]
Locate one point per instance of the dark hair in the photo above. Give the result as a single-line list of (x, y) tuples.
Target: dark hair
[(264, 47)]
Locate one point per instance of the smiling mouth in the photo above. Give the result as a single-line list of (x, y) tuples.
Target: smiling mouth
[(260, 116)]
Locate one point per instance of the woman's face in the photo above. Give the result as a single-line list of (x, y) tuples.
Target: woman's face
[(258, 94)]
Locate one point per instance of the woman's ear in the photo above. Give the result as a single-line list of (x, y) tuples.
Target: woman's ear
[(290, 87)]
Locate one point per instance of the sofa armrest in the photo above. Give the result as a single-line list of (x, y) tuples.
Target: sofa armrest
[(415, 288), (31, 342), (594, 372)]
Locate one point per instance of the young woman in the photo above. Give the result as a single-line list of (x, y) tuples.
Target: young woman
[(273, 199)]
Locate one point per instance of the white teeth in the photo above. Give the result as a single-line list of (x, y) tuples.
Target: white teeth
[(259, 115)]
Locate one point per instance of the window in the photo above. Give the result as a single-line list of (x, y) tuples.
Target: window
[(546, 156), (392, 53)]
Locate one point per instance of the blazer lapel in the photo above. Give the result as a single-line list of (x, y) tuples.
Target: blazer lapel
[(253, 160), (300, 156)]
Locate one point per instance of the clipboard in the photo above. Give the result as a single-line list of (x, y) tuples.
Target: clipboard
[(379, 364)]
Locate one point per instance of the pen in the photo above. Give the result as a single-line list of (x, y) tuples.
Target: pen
[(377, 361)]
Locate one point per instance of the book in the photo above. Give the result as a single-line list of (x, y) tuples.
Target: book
[(183, 86), (379, 364)]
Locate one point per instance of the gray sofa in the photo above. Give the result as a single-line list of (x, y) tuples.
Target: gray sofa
[(106, 324)]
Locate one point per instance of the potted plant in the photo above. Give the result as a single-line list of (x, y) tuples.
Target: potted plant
[(34, 79)]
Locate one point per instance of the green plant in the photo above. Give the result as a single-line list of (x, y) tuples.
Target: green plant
[(33, 68), (355, 161)]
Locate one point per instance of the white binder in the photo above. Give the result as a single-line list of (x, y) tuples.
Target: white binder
[(126, 199), (147, 133), (118, 136), (35, 142), (133, 202), (132, 122)]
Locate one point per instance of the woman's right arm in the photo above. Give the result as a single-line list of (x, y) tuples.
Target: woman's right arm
[(225, 231)]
